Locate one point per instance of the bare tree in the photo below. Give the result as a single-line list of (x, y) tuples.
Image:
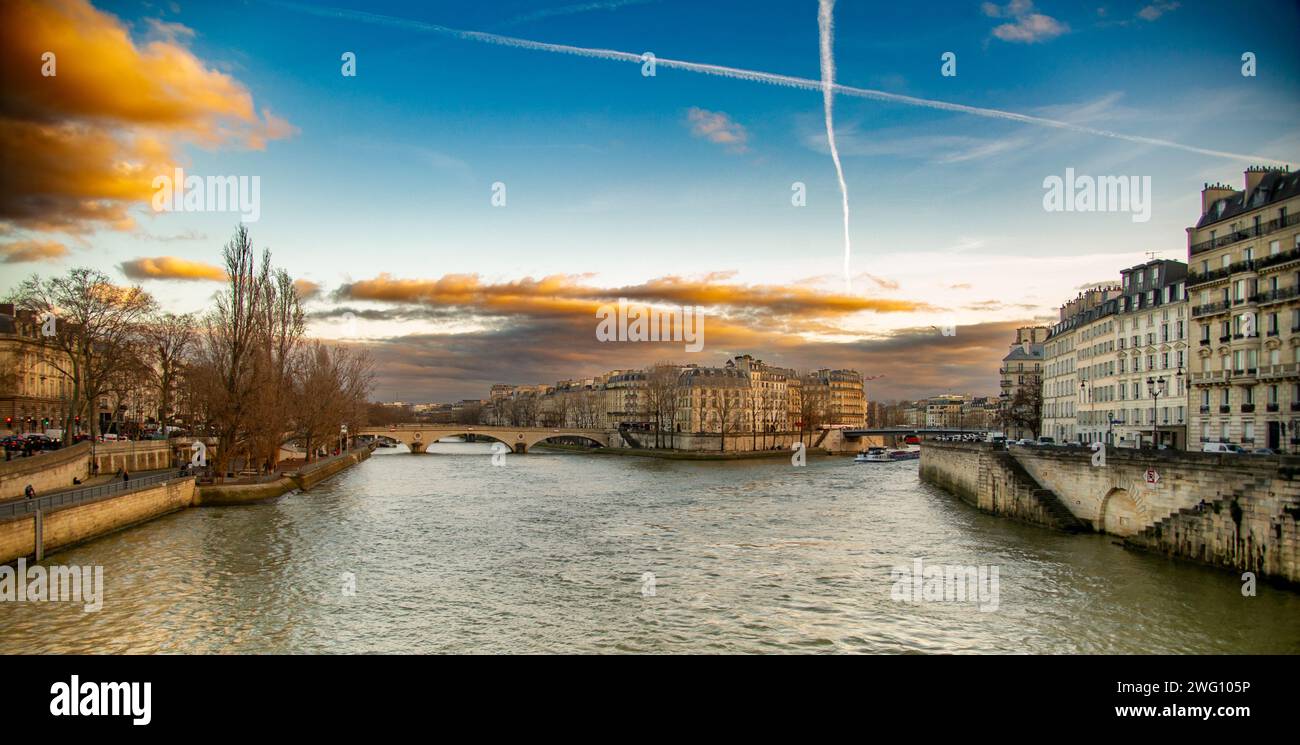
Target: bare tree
[(167, 340), (93, 324)]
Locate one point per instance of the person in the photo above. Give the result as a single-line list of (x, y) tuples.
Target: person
[(75, 481), (29, 492), (125, 476)]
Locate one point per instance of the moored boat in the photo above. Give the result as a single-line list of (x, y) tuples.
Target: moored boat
[(873, 455)]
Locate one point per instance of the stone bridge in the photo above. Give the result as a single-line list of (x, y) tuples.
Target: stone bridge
[(519, 439)]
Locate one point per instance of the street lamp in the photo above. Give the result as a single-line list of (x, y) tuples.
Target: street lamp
[(1156, 387)]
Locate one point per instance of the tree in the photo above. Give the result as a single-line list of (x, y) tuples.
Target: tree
[(167, 340), (1026, 409), (662, 389), (94, 322)]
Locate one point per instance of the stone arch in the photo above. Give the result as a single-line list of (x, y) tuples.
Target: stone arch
[(574, 435), (1119, 513)]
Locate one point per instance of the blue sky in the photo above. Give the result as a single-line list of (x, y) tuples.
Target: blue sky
[(390, 172)]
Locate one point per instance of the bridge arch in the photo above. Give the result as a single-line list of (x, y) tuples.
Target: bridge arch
[(1120, 513)]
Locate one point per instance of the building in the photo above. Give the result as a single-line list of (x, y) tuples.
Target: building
[(714, 400), (844, 394), (1244, 292), (1081, 321), (1147, 400), (945, 411), (34, 393), (1021, 380)]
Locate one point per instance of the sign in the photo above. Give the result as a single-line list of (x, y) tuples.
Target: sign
[(1152, 477)]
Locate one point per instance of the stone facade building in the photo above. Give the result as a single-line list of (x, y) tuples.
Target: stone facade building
[(1244, 290), (33, 392), (1021, 373)]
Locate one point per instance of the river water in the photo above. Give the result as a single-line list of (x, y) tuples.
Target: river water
[(549, 552)]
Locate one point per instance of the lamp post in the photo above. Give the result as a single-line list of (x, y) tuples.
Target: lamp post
[(1156, 387)]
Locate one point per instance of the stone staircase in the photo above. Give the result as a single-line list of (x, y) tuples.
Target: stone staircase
[(1051, 510), (628, 437), (1235, 530)]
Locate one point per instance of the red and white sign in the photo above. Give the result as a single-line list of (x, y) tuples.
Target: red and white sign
[(1152, 477)]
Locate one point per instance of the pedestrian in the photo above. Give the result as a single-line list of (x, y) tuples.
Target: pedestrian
[(125, 476), (29, 492)]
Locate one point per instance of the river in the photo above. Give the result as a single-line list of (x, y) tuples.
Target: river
[(549, 552)]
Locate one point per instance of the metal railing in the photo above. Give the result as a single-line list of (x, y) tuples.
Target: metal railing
[(17, 508), (1263, 228)]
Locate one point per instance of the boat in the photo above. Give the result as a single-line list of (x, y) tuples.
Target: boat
[(873, 455), (905, 454)]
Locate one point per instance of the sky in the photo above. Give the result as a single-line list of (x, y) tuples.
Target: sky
[(376, 190)]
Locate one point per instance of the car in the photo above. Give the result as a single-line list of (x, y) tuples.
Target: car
[(1046, 440), (13, 442), (1263, 451), (1222, 447), (1025, 441)]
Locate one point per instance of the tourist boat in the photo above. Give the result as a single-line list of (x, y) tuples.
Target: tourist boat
[(905, 454), (873, 455)]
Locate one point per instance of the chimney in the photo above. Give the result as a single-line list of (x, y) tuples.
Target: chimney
[(1213, 193), (1256, 174)]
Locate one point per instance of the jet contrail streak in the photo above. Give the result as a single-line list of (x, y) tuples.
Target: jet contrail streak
[(758, 77), (825, 31)]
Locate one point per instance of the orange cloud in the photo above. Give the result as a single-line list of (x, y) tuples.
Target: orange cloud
[(20, 251), (563, 294), (306, 288), (170, 267), (81, 147)]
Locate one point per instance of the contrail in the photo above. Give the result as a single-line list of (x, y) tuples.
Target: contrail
[(756, 76), (825, 30), (788, 81)]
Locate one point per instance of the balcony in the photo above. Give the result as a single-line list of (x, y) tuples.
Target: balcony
[(1270, 407), (1272, 372), (1248, 408), (1205, 342), (1274, 296), (1225, 409), (1295, 405), (1225, 338), (1205, 410), (1251, 232), (1209, 309), (1281, 257)]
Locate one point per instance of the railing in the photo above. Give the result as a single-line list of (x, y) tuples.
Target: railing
[(1252, 232), (22, 507), (1209, 308), (1271, 296)]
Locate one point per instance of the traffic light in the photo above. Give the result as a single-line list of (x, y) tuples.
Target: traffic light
[(9, 421)]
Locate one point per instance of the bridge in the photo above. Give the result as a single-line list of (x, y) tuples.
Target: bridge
[(922, 432), (418, 437)]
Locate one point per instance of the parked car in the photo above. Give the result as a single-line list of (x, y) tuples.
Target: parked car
[(1046, 440), (1025, 441), (1263, 451), (38, 441), (13, 442), (1222, 447)]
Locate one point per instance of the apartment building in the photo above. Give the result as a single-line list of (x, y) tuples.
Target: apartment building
[(1081, 323), (1151, 345), (33, 392), (1021, 381), (1244, 292)]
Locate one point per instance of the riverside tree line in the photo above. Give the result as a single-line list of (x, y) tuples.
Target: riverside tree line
[(243, 372)]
